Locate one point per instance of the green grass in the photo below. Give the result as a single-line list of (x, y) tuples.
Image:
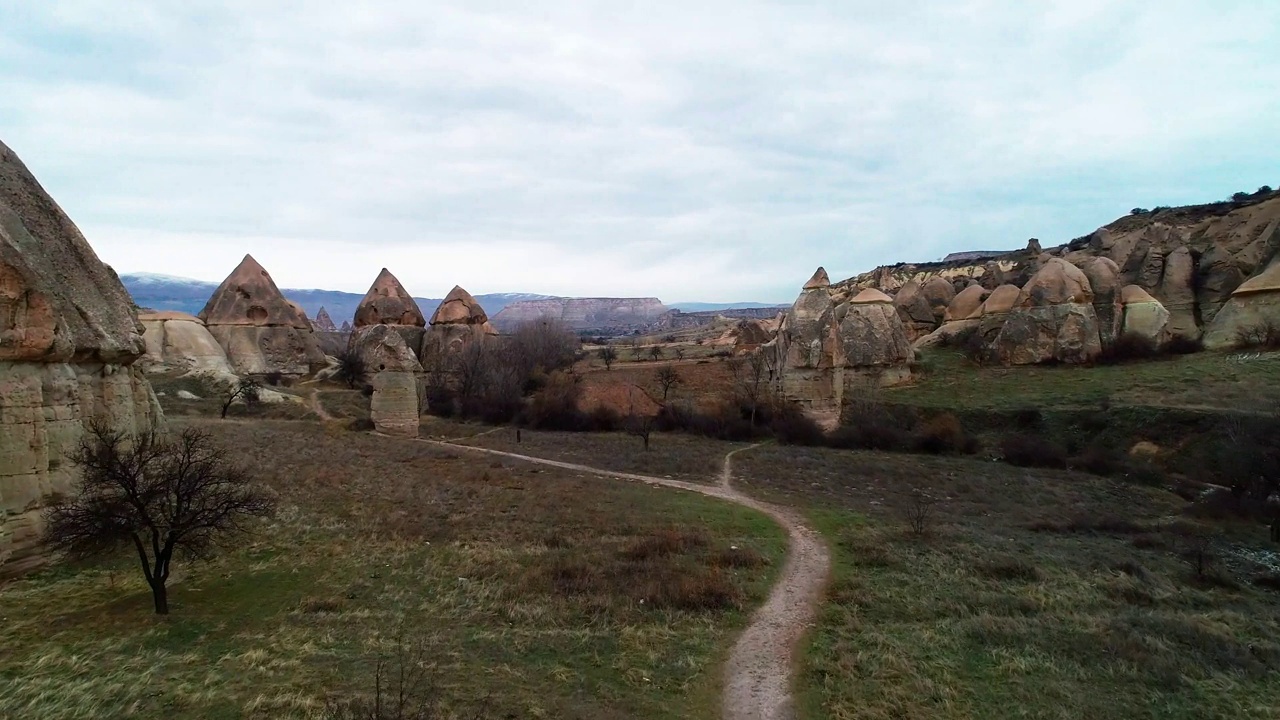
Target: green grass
[(1220, 381), (1031, 594), (537, 593)]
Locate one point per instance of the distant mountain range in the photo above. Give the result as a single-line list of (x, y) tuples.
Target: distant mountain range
[(167, 292)]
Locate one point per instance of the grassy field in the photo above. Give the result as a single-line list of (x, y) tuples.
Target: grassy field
[(534, 593), (1027, 594), (1220, 381), (672, 455)]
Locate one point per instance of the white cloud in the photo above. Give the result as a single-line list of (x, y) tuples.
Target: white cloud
[(711, 151)]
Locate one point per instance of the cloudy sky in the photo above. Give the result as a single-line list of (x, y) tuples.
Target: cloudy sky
[(713, 150)]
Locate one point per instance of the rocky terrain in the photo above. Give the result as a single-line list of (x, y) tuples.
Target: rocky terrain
[(1191, 259), (594, 314), (69, 341)]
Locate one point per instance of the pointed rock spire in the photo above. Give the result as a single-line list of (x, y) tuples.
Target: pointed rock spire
[(459, 308), (323, 322), (819, 280), (388, 303), (250, 297)]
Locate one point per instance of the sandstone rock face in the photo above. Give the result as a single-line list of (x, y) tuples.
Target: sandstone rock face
[(1191, 259), (68, 341), (807, 356), (1104, 279), (875, 344), (259, 329), (750, 335), (458, 322), (966, 304), (180, 342), (603, 314), (384, 349), (394, 407), (914, 310), (820, 279), (1255, 304), (323, 323), (1053, 319), (388, 303), (1143, 315)]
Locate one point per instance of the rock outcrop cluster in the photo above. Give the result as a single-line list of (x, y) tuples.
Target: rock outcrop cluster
[(69, 342), (1196, 261), (828, 345), (259, 329), (178, 342)]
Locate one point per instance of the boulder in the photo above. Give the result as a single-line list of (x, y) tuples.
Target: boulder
[(1143, 315), (69, 339), (388, 303), (966, 304), (914, 310), (993, 276), (178, 342), (749, 335), (1052, 320), (939, 293), (1254, 305), (875, 344), (1104, 280), (259, 329)]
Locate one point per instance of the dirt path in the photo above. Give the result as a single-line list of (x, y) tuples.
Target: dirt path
[(317, 407), (759, 674)]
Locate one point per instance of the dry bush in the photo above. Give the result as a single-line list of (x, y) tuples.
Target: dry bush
[(1009, 569), (738, 557), (943, 434), (919, 514), (1128, 347), (1030, 450), (665, 543), (1100, 524), (1262, 336)]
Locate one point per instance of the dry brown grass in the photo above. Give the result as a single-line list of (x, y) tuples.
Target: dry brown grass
[(1038, 593), (672, 455), (525, 581)]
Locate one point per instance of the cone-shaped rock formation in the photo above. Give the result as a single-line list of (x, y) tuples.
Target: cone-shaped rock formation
[(260, 330)]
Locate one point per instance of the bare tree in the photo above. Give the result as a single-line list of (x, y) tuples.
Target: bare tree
[(679, 351), (655, 352), (247, 390), (162, 496), (919, 513), (750, 376), (608, 356), (638, 424), (668, 378)]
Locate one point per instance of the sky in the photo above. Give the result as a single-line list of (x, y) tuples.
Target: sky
[(713, 151)]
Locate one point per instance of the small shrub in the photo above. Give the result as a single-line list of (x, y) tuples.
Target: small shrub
[(738, 557), (1029, 418), (274, 378), (665, 543), (943, 434), (1028, 450), (919, 514), (1129, 347), (792, 427), (367, 390), (314, 605), (1262, 336), (1268, 580), (361, 425), (1179, 345), (1099, 459)]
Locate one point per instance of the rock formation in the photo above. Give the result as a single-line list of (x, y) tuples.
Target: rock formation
[(1143, 316), (458, 322), (750, 335), (178, 342), (388, 333), (346, 326), (260, 330), (388, 303), (69, 340), (1052, 320), (577, 314), (874, 343), (1254, 306), (1104, 279), (1191, 259), (807, 355), (323, 323)]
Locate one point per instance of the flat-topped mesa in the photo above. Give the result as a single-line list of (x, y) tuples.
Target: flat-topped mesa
[(69, 340), (250, 297), (261, 331), (388, 303)]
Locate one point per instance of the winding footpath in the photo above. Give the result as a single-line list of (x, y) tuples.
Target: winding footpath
[(761, 667)]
